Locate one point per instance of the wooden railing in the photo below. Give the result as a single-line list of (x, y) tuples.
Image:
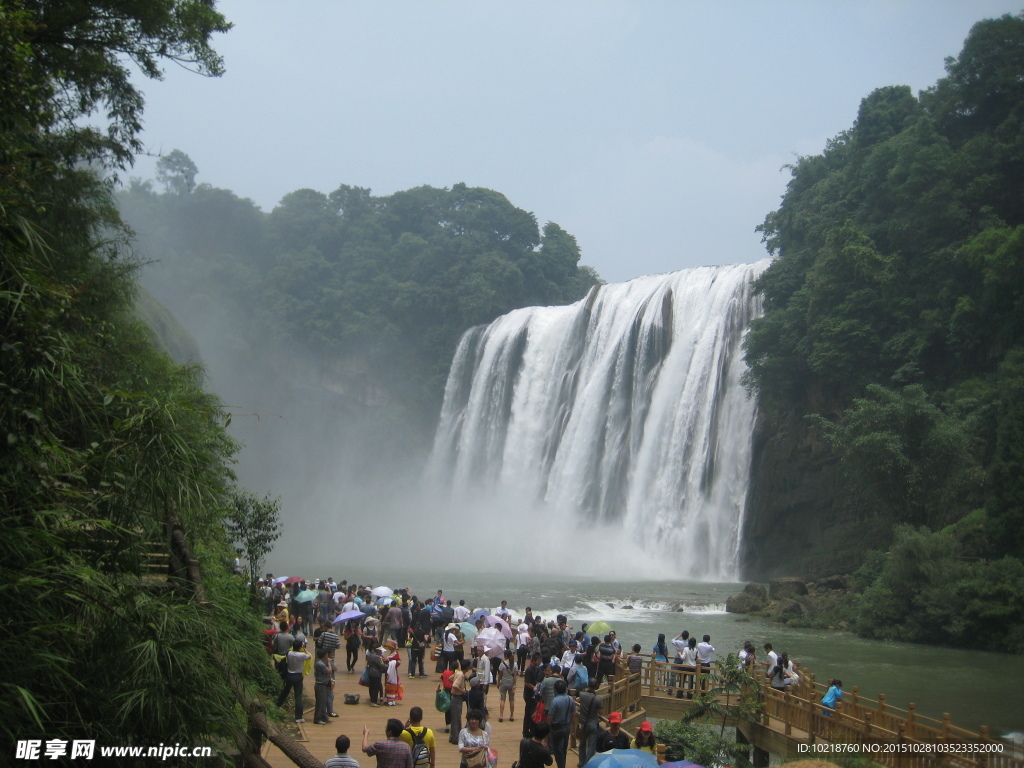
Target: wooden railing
[(880, 731)]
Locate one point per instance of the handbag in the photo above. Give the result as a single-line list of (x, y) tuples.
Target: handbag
[(478, 759), (539, 714), (436, 653), (364, 679), (442, 700)]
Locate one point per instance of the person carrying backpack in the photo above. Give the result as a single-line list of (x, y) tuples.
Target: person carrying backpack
[(420, 739)]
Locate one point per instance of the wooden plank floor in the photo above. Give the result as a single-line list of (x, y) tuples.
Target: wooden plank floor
[(419, 691)]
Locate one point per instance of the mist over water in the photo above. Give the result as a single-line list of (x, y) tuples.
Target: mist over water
[(617, 426), (614, 432)]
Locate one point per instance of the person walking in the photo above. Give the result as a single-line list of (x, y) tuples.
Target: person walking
[(474, 742), (614, 737), (590, 705), (559, 717), (459, 687), (644, 739), (508, 671), (532, 679), (533, 751)]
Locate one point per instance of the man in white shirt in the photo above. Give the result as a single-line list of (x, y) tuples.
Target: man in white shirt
[(773, 658), (705, 652), (502, 610), (681, 642), (461, 612), (483, 667), (568, 661)]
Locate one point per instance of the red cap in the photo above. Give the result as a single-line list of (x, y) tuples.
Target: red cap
[(615, 717), (646, 726)]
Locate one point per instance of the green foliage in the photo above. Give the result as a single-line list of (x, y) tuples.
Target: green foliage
[(922, 591), (911, 458), (699, 743), (894, 324), (81, 50), (898, 293), (1005, 503), (103, 438), (177, 172), (254, 523), (391, 282), (730, 691)]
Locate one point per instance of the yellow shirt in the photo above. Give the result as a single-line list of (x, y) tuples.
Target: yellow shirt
[(428, 738), (651, 749)]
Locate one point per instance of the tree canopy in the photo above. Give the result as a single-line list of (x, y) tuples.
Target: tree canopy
[(894, 309), (106, 443), (391, 282)]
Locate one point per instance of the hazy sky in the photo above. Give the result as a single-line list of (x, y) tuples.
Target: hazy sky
[(655, 132)]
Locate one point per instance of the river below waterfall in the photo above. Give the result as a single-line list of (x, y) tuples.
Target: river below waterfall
[(976, 688)]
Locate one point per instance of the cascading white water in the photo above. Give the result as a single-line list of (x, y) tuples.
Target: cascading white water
[(622, 415)]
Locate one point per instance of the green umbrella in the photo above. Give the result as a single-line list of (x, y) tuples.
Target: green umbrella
[(599, 628), (468, 631)]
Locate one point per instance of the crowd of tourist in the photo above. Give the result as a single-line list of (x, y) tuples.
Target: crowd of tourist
[(557, 669)]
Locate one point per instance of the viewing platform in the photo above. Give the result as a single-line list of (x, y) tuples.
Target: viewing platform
[(788, 725)]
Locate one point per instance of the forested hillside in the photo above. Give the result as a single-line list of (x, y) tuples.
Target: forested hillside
[(378, 289), (106, 444), (890, 358)]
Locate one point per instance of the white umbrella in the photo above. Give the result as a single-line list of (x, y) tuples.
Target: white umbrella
[(279, 579), (492, 641), (381, 591)]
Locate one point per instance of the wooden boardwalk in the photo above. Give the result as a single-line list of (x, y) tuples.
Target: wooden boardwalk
[(419, 692), (788, 724)]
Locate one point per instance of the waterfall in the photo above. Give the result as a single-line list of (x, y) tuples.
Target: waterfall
[(619, 419)]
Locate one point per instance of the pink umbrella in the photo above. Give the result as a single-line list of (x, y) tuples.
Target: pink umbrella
[(500, 624)]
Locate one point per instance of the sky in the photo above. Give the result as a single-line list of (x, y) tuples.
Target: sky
[(656, 132)]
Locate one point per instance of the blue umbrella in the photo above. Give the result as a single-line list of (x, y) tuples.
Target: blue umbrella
[(386, 601), (623, 758), (478, 613), (681, 764), (348, 616)]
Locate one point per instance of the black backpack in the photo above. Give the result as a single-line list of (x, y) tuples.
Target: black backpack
[(282, 665), (420, 753)]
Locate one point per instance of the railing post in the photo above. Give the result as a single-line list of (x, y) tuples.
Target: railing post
[(911, 713), (945, 727)]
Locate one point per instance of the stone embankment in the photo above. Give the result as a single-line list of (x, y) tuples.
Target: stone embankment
[(789, 599)]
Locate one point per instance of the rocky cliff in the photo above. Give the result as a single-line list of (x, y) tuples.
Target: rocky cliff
[(801, 519)]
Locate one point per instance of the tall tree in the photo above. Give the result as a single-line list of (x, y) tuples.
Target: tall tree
[(255, 524)]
